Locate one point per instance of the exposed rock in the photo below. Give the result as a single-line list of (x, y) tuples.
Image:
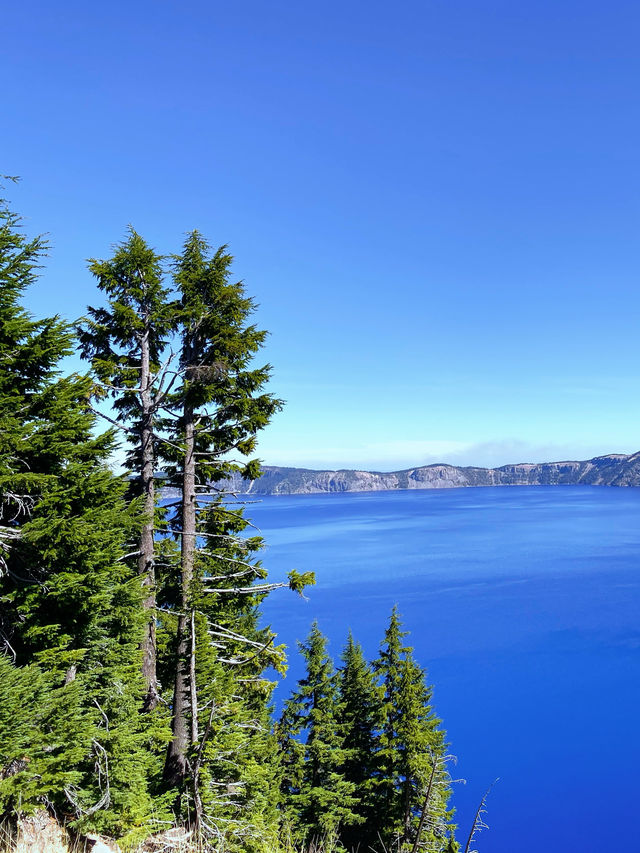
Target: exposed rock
[(615, 469), (175, 840), (100, 844), (41, 833)]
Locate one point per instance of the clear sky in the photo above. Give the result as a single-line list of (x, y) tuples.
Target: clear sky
[(436, 203)]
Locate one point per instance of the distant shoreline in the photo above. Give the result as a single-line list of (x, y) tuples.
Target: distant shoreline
[(614, 469)]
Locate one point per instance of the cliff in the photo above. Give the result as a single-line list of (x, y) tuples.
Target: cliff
[(612, 470)]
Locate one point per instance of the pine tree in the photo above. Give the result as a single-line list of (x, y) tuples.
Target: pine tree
[(70, 601), (203, 603), (29, 351), (126, 343), (411, 760), (359, 717), (388, 668), (220, 698), (217, 411), (318, 799)]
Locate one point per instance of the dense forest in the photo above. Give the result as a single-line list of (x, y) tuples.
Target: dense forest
[(136, 672)]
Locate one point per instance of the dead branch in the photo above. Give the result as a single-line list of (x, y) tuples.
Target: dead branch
[(234, 575), (116, 424), (8, 646), (227, 633), (425, 808), (192, 681), (248, 660), (102, 769), (259, 589), (104, 716), (478, 823)]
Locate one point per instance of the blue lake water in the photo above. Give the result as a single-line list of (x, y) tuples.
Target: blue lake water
[(523, 604)]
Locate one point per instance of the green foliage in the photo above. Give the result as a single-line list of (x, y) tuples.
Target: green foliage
[(318, 798), (298, 581), (70, 602), (219, 380), (359, 717), (411, 743), (362, 752), (43, 736), (138, 308)]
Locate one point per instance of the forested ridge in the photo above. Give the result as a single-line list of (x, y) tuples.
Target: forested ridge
[(136, 673)]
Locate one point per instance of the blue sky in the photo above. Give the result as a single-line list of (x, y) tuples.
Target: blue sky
[(435, 203)]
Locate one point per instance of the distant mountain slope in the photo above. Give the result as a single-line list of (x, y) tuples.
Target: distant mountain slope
[(615, 469)]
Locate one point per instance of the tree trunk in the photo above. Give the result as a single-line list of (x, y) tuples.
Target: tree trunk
[(192, 681), (184, 695), (425, 807), (146, 559), (406, 796)]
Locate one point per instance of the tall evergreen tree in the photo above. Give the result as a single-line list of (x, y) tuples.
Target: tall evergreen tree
[(29, 352), (318, 799), (126, 344), (219, 408), (411, 754), (388, 668), (359, 717), (203, 606), (70, 601)]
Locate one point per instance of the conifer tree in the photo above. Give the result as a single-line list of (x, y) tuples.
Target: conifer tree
[(202, 605), (411, 755), (126, 343), (46, 732), (388, 668), (318, 799), (359, 717), (29, 351), (217, 411), (70, 601)]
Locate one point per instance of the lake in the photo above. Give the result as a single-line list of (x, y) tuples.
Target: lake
[(523, 604)]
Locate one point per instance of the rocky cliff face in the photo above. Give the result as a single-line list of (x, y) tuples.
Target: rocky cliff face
[(612, 470)]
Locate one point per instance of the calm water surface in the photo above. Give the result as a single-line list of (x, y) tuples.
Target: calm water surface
[(523, 604)]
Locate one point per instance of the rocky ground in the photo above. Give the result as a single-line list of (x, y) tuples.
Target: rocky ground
[(41, 833)]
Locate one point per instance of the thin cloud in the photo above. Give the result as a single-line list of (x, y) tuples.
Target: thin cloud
[(396, 455)]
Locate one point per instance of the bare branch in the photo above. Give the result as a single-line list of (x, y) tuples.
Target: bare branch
[(226, 633), (8, 646), (249, 590), (234, 575), (113, 422), (130, 554), (102, 769), (104, 716), (425, 808), (249, 659), (478, 823)]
